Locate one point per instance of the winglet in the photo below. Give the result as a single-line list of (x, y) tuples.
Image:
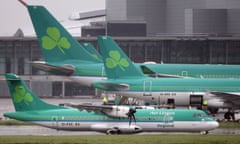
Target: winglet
[(23, 2)]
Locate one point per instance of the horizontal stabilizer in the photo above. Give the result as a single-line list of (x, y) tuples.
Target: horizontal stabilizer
[(111, 86), (23, 2), (58, 70), (146, 70)]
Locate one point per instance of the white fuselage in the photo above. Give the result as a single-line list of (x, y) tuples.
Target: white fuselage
[(181, 126), (177, 98), (162, 98)]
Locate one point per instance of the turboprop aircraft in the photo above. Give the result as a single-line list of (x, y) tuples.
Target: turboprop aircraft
[(65, 56), (106, 119), (126, 80)]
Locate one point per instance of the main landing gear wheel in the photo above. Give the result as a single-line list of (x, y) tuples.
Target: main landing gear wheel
[(204, 132)]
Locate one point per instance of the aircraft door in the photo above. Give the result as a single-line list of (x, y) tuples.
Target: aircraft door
[(171, 103), (147, 88), (196, 100)]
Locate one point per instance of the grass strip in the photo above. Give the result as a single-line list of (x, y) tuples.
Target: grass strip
[(124, 139)]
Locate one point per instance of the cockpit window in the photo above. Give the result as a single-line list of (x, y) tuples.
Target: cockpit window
[(199, 115)]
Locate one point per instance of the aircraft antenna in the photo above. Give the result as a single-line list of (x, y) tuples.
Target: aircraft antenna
[(23, 2)]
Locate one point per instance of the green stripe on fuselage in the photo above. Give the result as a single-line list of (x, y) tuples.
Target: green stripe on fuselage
[(142, 115)]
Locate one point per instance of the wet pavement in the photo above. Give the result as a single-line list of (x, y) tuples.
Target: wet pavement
[(38, 130)]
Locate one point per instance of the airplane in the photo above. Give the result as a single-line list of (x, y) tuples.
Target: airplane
[(125, 79), (105, 119), (65, 56)]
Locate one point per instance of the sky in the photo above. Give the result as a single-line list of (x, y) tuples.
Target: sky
[(14, 15)]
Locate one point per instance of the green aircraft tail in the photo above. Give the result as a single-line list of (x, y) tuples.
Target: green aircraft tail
[(56, 42), (117, 64), (91, 49), (23, 99)]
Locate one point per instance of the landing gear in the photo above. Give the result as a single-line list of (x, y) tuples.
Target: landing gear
[(229, 115), (213, 110), (204, 132), (113, 131)]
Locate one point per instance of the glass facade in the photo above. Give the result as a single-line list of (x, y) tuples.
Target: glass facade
[(16, 53)]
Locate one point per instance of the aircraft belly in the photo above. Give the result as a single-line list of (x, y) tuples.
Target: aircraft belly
[(177, 126), (103, 126), (116, 127), (196, 126), (100, 127), (182, 126)]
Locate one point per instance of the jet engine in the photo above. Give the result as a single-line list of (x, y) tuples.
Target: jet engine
[(215, 104)]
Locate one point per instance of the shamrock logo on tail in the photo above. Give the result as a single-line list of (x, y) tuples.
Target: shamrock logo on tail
[(20, 95), (115, 59), (53, 39)]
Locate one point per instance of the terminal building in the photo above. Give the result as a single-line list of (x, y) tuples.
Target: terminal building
[(163, 31)]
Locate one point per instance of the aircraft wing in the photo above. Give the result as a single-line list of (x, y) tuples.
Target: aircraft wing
[(228, 98), (114, 86), (109, 110), (90, 107), (59, 70), (146, 70), (160, 75)]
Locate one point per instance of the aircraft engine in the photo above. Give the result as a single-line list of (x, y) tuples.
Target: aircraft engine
[(124, 129), (116, 128), (215, 104), (218, 103)]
